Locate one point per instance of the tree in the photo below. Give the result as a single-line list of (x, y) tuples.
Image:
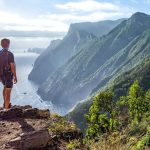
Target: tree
[(146, 104), (135, 102), (99, 115)]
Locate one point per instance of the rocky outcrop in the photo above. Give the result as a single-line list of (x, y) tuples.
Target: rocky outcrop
[(24, 112), (24, 127)]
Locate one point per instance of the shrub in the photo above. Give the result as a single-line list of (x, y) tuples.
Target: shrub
[(73, 145)]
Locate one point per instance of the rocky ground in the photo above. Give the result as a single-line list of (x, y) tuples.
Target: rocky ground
[(24, 127)]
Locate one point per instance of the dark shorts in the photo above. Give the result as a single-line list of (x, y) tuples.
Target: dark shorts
[(7, 80)]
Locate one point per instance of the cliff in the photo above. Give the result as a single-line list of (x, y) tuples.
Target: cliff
[(24, 127), (101, 60), (60, 51)]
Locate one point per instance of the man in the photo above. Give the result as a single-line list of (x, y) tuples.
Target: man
[(7, 71)]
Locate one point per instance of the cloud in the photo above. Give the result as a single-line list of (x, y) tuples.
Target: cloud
[(92, 10), (94, 16), (30, 24), (66, 13), (32, 34), (87, 6), (9, 21)]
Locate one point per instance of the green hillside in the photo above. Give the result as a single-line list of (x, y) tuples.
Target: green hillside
[(99, 61), (119, 86), (123, 124)]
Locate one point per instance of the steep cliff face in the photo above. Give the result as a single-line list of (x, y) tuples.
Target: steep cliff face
[(100, 59), (59, 52), (24, 127)]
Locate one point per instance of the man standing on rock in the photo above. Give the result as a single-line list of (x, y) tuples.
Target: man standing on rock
[(7, 71)]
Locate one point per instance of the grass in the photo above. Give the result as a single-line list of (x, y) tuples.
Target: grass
[(58, 124), (135, 137), (74, 145)]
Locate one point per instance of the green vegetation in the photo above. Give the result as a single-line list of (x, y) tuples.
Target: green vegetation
[(80, 110), (145, 141), (122, 124), (138, 104), (119, 85), (74, 144), (59, 124), (64, 134), (101, 115)]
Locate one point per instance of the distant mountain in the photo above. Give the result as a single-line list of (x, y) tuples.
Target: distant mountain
[(99, 60), (36, 50), (78, 35)]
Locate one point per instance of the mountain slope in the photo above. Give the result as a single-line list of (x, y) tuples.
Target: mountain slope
[(78, 34), (101, 58), (119, 86), (54, 57)]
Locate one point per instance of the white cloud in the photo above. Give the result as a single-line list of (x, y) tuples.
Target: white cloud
[(88, 5), (92, 10), (94, 16), (70, 12), (9, 21)]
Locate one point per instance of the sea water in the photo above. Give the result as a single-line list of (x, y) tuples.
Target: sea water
[(25, 91)]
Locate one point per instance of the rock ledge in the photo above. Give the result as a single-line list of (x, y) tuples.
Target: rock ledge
[(24, 127)]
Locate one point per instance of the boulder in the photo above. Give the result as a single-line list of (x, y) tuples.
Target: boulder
[(31, 140)]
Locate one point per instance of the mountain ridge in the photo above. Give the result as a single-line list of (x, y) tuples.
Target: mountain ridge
[(87, 68), (119, 86), (65, 49)]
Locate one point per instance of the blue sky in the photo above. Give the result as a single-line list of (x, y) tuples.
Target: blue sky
[(56, 15), (50, 19)]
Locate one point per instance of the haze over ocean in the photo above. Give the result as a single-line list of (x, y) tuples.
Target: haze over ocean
[(24, 92)]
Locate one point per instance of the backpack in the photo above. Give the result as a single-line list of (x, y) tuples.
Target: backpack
[(4, 63)]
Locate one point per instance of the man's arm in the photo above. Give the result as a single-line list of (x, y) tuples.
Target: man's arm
[(13, 70)]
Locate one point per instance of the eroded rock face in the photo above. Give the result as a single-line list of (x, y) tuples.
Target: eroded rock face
[(24, 127)]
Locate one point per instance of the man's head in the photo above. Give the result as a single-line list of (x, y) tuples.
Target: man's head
[(5, 43)]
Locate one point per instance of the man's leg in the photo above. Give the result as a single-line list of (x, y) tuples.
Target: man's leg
[(7, 97), (4, 96)]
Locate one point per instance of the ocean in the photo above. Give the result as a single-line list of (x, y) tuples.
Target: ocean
[(25, 91)]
